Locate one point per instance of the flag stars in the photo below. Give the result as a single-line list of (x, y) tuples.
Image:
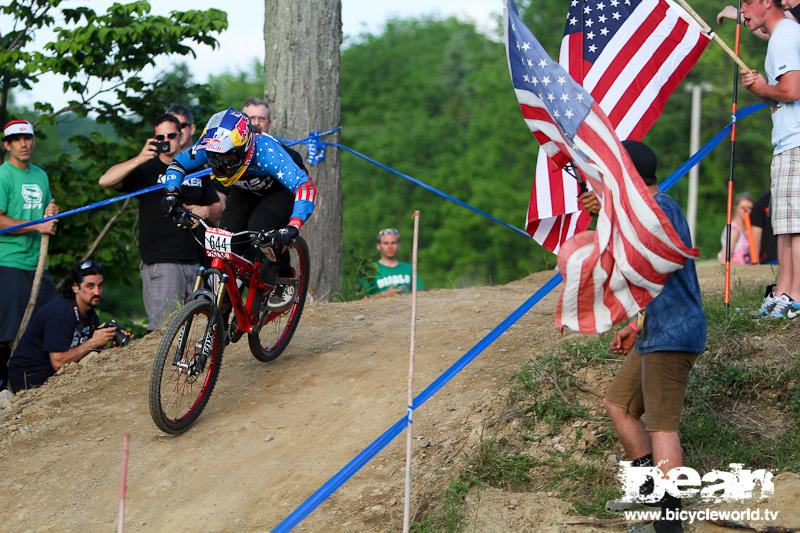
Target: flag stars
[(573, 21), (565, 97), (604, 31), (616, 15), (590, 35), (602, 19), (546, 81), (579, 97), (588, 23), (592, 49), (569, 114), (551, 97), (543, 62), (587, 10), (601, 6), (561, 80), (530, 63), (614, 3), (526, 46)]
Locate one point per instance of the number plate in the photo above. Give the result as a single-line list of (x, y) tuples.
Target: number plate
[(218, 243)]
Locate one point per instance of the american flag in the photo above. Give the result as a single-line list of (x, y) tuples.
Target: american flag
[(613, 272), (630, 55)]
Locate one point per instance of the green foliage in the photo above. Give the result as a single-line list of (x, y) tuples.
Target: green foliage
[(102, 56), (233, 88), (359, 266), (449, 514)]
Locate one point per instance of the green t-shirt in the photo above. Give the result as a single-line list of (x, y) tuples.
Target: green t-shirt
[(399, 276), (24, 194)]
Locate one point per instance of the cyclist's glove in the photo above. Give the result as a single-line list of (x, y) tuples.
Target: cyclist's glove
[(283, 236), (168, 205)]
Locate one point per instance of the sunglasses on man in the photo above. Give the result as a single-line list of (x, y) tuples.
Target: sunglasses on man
[(170, 136)]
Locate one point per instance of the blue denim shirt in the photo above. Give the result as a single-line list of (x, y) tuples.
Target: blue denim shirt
[(674, 321)]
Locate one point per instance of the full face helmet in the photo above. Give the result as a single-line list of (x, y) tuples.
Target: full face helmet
[(228, 141)]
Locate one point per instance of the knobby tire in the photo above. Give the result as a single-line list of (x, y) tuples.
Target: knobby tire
[(273, 331), (177, 397)]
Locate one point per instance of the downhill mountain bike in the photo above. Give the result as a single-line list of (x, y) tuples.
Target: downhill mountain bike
[(189, 356)]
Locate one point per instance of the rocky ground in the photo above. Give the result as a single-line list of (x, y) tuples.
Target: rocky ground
[(273, 433)]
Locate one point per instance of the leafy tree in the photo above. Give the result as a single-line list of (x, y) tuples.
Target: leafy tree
[(102, 57)]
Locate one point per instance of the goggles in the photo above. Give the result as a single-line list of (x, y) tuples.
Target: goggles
[(170, 135)]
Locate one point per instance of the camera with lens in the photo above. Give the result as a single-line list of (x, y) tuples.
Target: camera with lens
[(120, 338), (162, 147)]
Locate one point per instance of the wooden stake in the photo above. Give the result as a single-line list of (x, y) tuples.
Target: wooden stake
[(713, 34), (37, 281), (409, 430), (123, 484)]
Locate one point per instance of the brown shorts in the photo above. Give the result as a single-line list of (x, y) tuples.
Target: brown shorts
[(654, 383)]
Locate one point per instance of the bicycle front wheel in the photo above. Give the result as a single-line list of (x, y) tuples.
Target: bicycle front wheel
[(274, 329), (186, 367)]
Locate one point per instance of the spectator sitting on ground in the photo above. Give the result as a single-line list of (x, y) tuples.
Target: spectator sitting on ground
[(63, 331), (764, 242), (170, 257), (24, 196), (740, 245), (394, 276)]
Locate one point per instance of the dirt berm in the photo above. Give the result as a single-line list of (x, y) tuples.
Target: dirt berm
[(273, 433)]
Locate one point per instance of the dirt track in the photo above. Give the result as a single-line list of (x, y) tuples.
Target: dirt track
[(272, 432)]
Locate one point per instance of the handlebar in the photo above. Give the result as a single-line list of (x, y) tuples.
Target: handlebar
[(259, 238)]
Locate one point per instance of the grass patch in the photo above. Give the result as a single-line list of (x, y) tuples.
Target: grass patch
[(742, 406)]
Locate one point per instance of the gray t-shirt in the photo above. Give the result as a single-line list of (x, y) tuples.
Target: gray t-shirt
[(783, 55)]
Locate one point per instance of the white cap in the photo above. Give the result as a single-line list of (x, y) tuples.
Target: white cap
[(17, 127)]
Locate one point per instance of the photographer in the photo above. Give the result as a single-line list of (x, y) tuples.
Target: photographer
[(170, 258), (64, 330)]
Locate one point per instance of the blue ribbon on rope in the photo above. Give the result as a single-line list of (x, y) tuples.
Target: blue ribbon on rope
[(101, 203), (341, 477)]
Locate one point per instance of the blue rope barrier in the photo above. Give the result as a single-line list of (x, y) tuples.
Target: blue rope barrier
[(431, 189), (100, 203), (341, 477), (681, 171)]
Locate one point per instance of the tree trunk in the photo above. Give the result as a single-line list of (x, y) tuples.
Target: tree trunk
[(301, 83)]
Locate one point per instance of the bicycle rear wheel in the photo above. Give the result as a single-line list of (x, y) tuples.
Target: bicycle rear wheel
[(186, 367), (274, 329)]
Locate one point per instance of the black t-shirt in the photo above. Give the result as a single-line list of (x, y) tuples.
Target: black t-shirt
[(759, 216), (160, 240), (56, 327)]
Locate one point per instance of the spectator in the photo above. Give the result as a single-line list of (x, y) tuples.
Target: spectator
[(187, 126), (792, 12), (765, 244), (24, 195), (660, 354), (63, 331), (740, 245), (186, 119), (258, 112), (394, 276), (170, 256), (781, 90)]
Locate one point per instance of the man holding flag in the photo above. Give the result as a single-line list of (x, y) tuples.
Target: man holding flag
[(612, 273)]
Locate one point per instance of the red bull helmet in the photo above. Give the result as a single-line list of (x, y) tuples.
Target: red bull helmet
[(228, 141)]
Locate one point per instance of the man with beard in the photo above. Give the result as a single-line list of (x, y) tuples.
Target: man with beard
[(62, 331)]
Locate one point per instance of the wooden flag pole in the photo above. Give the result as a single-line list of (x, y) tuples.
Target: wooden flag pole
[(409, 429), (717, 38), (37, 281)]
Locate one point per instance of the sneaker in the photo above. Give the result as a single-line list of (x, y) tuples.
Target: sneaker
[(281, 298), (767, 304), (785, 307)]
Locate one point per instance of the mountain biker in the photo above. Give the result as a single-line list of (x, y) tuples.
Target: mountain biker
[(268, 190)]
